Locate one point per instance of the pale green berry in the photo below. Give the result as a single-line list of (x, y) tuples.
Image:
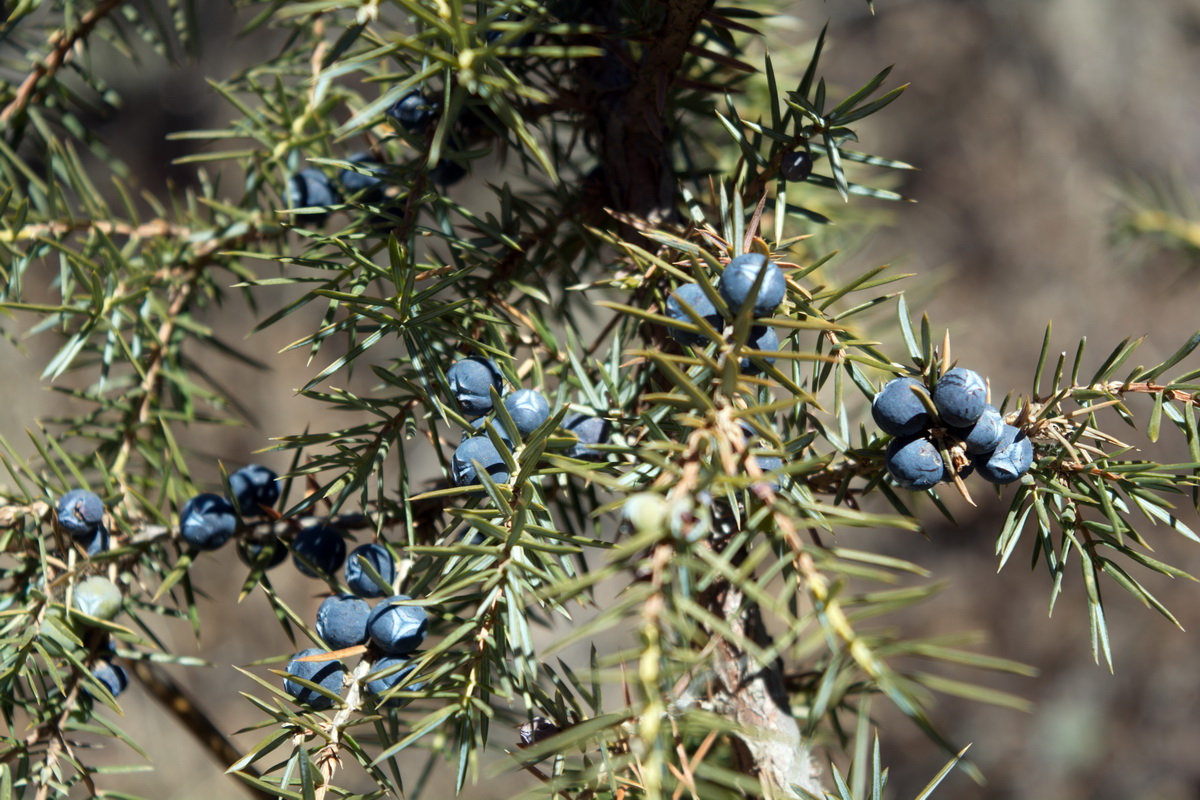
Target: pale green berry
[(645, 511), (97, 597)]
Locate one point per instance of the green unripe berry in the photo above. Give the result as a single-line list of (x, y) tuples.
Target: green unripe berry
[(97, 597), (646, 512)]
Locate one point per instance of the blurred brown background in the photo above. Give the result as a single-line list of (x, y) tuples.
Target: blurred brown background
[(1024, 117)]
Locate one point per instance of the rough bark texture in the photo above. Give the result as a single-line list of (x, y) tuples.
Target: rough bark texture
[(753, 696), (632, 137), (630, 103)]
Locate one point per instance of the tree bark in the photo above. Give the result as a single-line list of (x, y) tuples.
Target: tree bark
[(753, 696), (632, 128)]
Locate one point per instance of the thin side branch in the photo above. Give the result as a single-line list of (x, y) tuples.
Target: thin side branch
[(62, 45), (176, 701)]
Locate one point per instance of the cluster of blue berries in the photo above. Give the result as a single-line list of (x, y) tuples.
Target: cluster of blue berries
[(1001, 453), (472, 381), (81, 514), (413, 113), (392, 631), (737, 289), (311, 188), (208, 520)]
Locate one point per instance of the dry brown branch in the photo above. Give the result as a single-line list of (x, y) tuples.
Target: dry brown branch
[(180, 705), (62, 44)]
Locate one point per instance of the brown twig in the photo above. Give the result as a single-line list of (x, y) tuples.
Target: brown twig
[(176, 701), (154, 229), (62, 44)]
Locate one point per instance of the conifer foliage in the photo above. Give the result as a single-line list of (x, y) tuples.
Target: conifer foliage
[(560, 253)]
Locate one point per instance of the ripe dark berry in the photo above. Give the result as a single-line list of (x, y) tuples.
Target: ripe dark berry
[(737, 281), (262, 553), (308, 188), (322, 547), (915, 463), (897, 410), (481, 449), (796, 165), (960, 396), (96, 543), (328, 675), (770, 464), (1011, 459), (111, 676), (395, 628), (413, 112), (693, 296), (342, 621), (471, 381), (448, 172), (764, 338), (590, 430), (535, 731), (366, 186), (984, 435), (380, 559), (80, 513), (255, 487), (399, 668), (97, 597), (528, 409), (207, 521)]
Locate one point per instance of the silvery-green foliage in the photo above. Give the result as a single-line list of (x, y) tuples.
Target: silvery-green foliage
[(611, 162)]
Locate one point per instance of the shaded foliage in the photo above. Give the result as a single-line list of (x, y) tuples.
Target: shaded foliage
[(622, 156)]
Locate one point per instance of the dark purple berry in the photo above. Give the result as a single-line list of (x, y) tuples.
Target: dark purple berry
[(396, 627), (915, 463), (960, 396), (80, 513), (328, 675), (692, 295), (984, 435), (897, 410), (207, 521), (471, 381), (262, 554), (380, 559), (477, 449), (737, 283), (391, 670), (528, 409), (590, 430), (311, 188), (413, 112), (255, 488), (796, 165), (764, 338), (318, 549), (342, 621), (112, 677), (1011, 459)]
